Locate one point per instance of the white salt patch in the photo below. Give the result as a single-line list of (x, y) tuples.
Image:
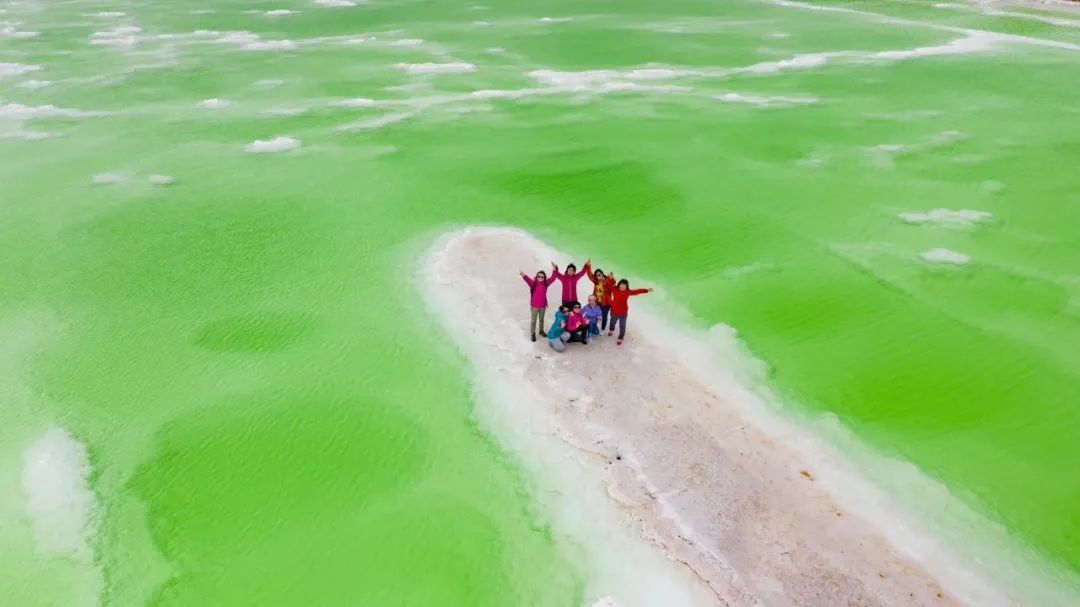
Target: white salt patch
[(765, 101), (285, 111), (238, 38), (481, 23), (360, 39), (122, 36), (356, 102), (110, 178), (109, 14), (275, 145), (18, 111), (161, 180), (798, 62), (269, 45), (498, 94), (9, 31), (335, 3), (992, 186), (408, 42), (457, 67), (555, 19), (34, 84), (16, 69), (24, 134), (56, 483), (270, 83), (214, 104), (377, 123), (961, 218), (281, 12), (945, 256)]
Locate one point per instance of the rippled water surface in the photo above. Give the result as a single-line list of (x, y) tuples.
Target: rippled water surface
[(209, 215)]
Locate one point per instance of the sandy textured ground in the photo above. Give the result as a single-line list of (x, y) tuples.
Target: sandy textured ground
[(745, 511)]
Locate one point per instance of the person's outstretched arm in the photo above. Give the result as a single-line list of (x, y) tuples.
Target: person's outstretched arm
[(639, 291), (527, 280), (554, 271), (585, 270)]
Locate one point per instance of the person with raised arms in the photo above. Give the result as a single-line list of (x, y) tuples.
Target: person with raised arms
[(569, 281), (538, 301)]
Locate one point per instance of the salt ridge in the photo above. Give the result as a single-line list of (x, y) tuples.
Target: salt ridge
[(718, 359)]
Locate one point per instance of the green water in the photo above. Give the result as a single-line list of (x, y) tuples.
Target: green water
[(273, 418)]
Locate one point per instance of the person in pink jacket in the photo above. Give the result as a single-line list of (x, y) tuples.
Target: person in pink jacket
[(569, 281), (538, 301)]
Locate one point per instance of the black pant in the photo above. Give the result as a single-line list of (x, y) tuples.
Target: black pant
[(603, 319), (581, 335)]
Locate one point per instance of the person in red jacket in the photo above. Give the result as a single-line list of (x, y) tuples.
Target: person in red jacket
[(603, 289), (620, 307)]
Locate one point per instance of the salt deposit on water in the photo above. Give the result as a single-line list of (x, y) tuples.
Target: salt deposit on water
[(56, 482), (271, 146), (961, 218), (214, 104), (457, 67), (16, 69), (945, 256)]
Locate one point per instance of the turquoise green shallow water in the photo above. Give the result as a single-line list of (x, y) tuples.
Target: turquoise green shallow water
[(272, 417)]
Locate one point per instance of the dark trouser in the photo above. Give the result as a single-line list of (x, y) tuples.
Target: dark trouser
[(579, 335), (603, 319), (621, 319)]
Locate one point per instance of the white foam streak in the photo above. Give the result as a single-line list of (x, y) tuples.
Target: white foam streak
[(336, 3), (34, 84)]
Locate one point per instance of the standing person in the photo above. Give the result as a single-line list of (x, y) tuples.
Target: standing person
[(538, 301), (593, 313), (576, 325), (569, 281), (557, 335), (620, 307), (603, 289)]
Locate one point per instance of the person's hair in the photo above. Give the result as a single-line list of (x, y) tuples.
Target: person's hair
[(576, 305), (598, 271), (624, 282), (570, 265), (563, 308), (541, 272)]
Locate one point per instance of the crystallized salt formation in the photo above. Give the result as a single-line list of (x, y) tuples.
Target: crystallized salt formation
[(277, 144), (56, 483), (961, 218), (946, 257)]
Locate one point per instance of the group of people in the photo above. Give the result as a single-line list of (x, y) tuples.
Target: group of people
[(608, 305)]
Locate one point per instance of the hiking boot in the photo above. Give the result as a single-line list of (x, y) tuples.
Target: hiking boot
[(534, 336), (543, 334)]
